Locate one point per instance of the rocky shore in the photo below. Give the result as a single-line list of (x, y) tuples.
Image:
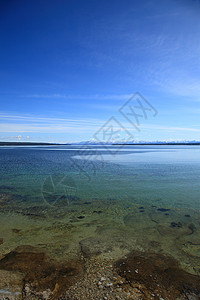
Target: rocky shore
[(29, 274), (92, 251)]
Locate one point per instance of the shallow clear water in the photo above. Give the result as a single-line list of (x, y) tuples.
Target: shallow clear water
[(134, 197)]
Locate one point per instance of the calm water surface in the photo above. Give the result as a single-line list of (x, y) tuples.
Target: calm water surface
[(143, 198)]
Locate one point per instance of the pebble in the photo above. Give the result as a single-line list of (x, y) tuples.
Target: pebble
[(109, 284), (100, 286)]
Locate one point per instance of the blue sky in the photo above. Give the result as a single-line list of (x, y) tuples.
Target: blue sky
[(68, 66)]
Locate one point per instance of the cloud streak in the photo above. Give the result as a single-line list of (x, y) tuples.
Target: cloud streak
[(21, 124)]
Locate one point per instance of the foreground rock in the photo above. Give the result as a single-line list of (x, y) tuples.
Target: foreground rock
[(28, 273), (43, 278), (11, 285), (101, 281), (161, 276)]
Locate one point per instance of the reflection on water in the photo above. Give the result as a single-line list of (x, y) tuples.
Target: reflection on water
[(145, 198)]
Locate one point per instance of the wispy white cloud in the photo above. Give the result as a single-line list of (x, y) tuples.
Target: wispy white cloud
[(170, 128), (50, 128), (22, 124), (180, 84), (48, 120)]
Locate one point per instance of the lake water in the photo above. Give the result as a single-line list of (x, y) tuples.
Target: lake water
[(102, 200)]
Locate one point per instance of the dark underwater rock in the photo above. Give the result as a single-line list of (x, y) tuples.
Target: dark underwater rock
[(174, 224), (15, 230), (192, 227), (163, 209), (6, 187)]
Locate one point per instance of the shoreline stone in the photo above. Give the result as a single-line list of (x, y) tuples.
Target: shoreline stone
[(40, 274), (11, 285), (160, 274)]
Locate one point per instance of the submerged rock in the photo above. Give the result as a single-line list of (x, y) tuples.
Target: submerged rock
[(174, 224), (163, 209), (192, 227), (15, 230), (6, 187), (154, 244), (5, 199), (187, 216), (92, 246)]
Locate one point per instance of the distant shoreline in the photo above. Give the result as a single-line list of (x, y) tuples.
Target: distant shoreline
[(26, 144), (136, 144), (161, 144)]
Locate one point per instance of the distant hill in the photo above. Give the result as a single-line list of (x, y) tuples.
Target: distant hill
[(139, 143), (25, 144), (91, 143)]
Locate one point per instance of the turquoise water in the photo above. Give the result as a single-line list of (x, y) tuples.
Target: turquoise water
[(134, 197), (146, 173)]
